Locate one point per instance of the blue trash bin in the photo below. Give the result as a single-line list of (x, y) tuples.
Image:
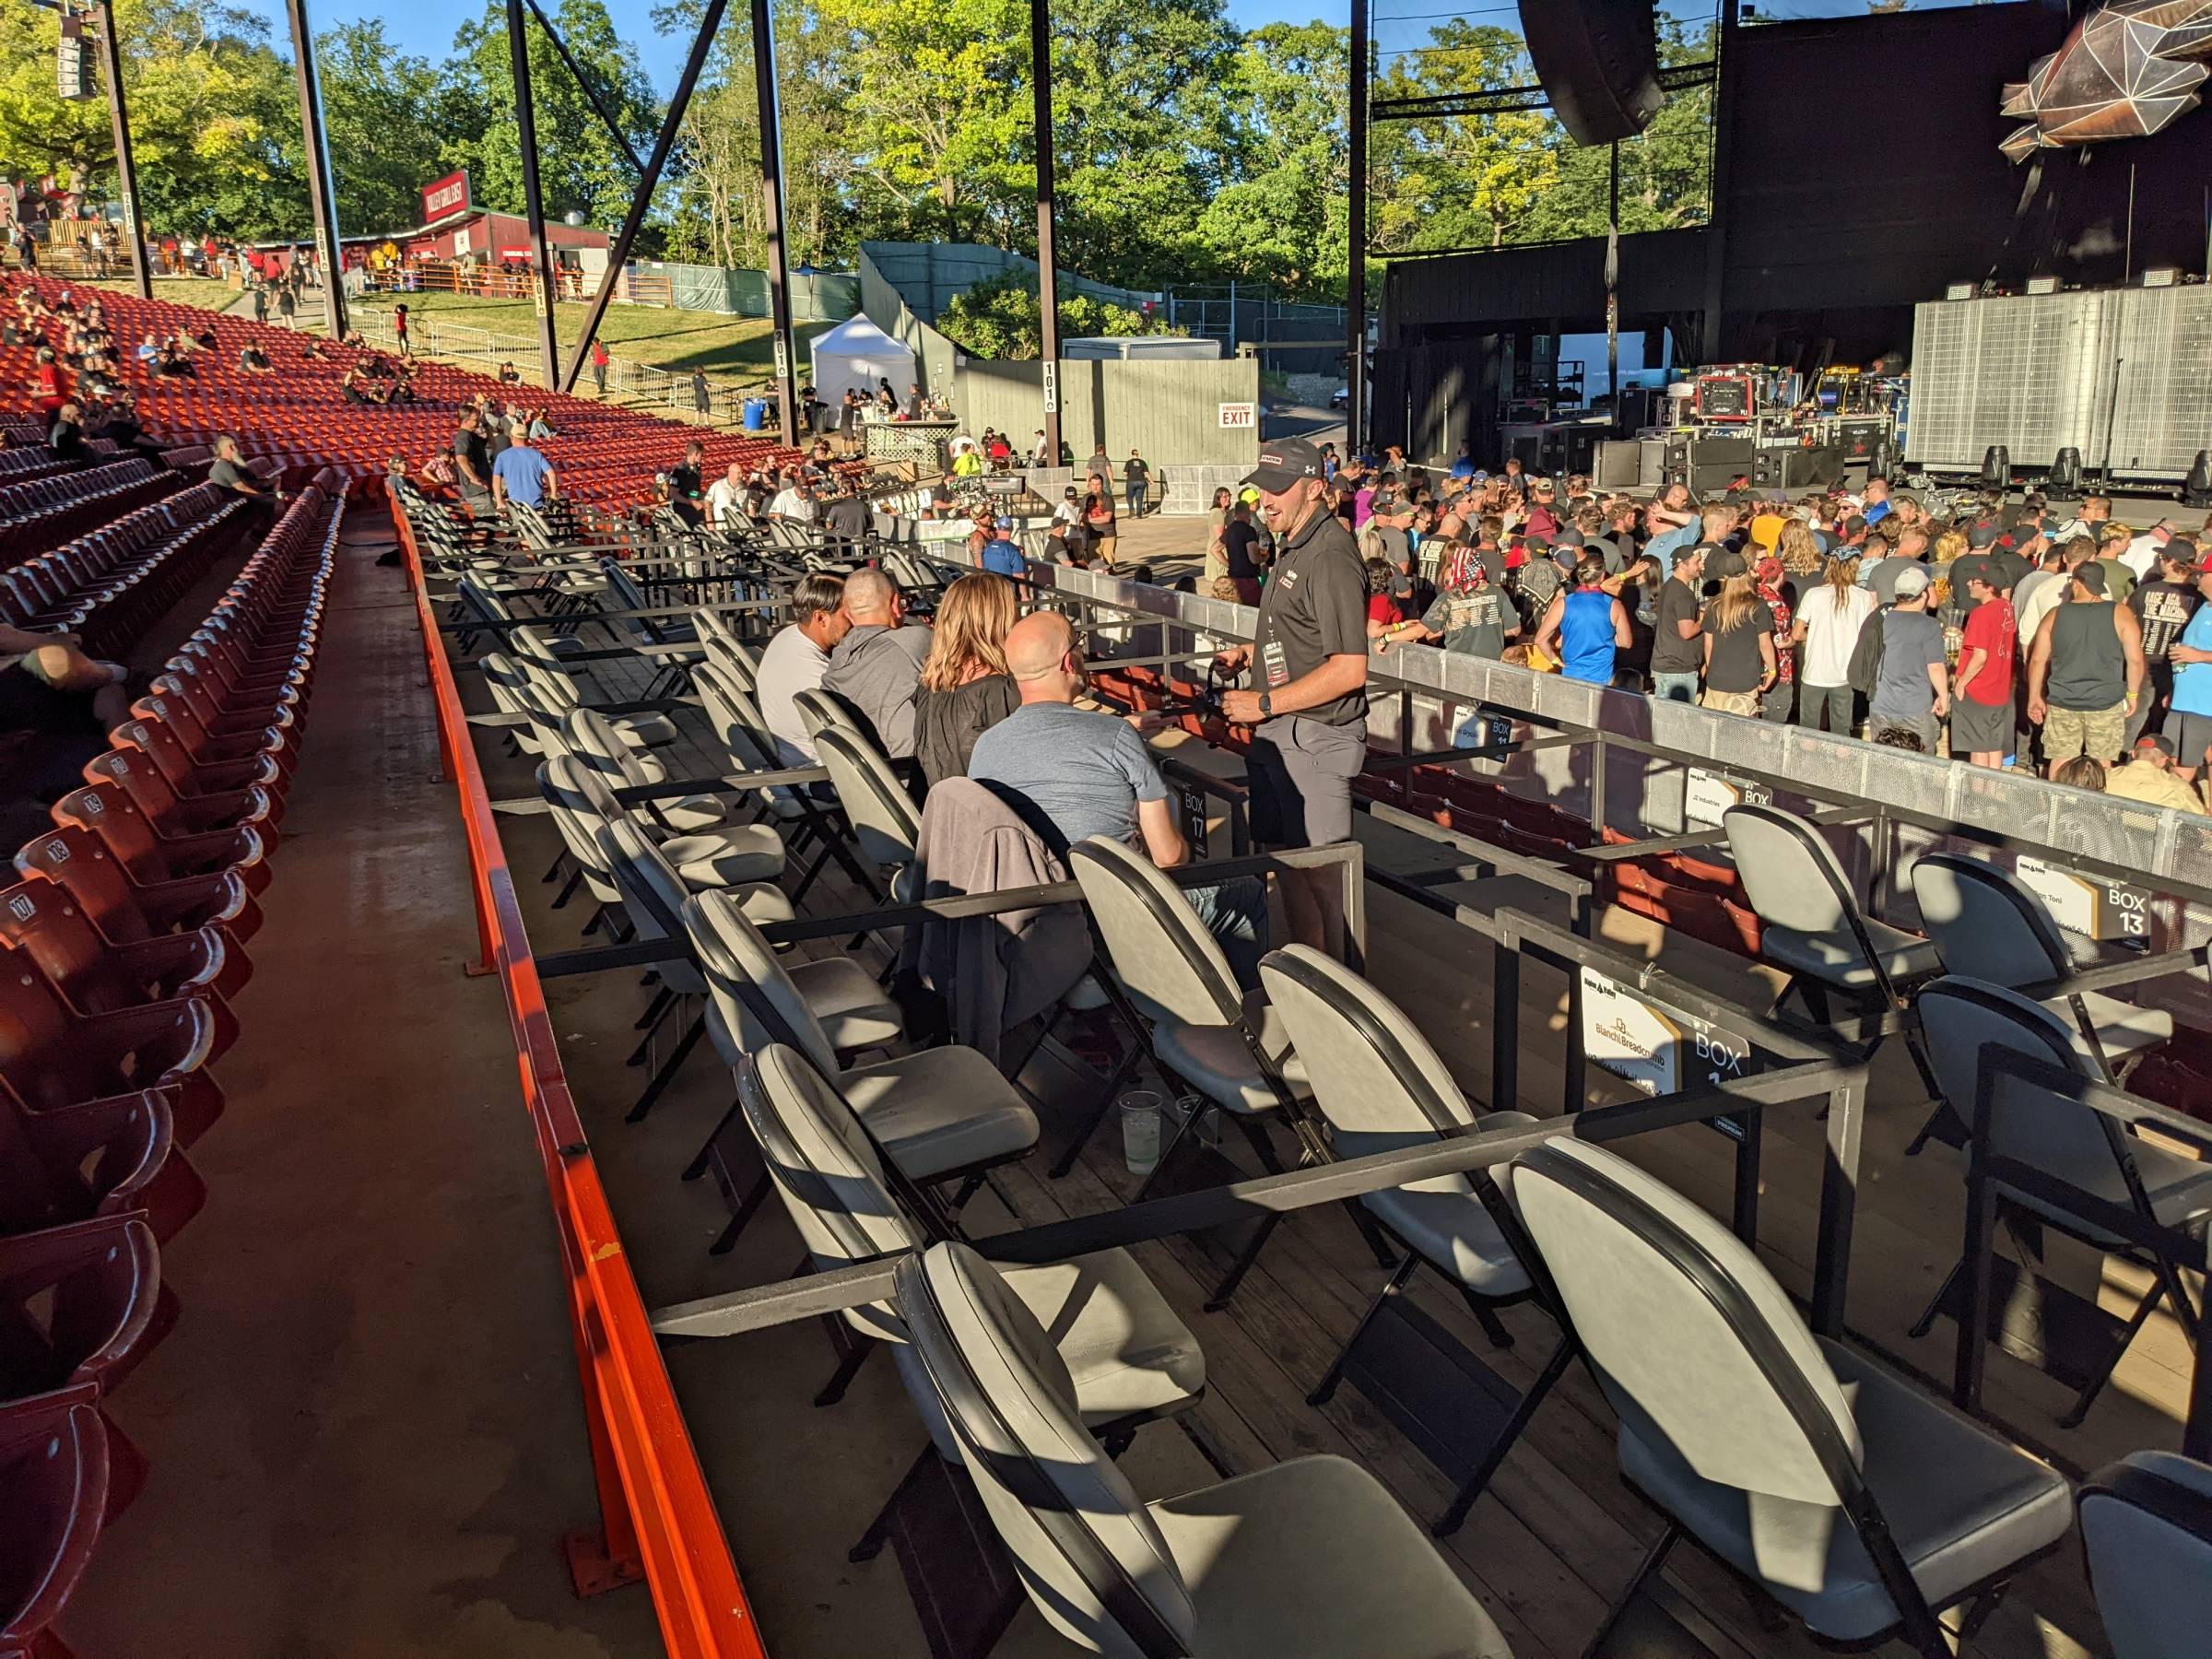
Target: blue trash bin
[(755, 413)]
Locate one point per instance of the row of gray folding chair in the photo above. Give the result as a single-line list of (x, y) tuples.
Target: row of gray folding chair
[(1128, 1359), (944, 1115)]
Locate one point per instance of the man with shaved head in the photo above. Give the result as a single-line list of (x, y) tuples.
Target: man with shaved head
[(1073, 773), (876, 666)]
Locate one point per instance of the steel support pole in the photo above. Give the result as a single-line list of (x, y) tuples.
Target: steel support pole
[(1727, 77), (127, 167), (1048, 272), (542, 289), (618, 256), (1355, 275), (322, 197), (1613, 288), (772, 208)]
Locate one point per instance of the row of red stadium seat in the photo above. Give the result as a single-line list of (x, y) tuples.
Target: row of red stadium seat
[(119, 951), (298, 413)]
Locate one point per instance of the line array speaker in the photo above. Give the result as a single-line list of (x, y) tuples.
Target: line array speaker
[(1599, 61)]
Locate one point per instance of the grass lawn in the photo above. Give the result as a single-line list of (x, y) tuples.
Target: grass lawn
[(178, 290), (678, 340)]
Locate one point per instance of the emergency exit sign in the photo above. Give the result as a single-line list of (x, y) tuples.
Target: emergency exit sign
[(1239, 416)]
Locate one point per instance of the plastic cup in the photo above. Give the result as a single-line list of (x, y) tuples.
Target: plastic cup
[(1142, 1118)]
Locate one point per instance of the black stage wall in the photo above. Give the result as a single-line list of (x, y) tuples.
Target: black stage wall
[(1863, 176)]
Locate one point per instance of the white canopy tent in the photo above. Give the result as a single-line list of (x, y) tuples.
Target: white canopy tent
[(857, 354)]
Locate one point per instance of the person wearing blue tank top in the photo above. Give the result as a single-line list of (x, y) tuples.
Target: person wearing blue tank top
[(1586, 628)]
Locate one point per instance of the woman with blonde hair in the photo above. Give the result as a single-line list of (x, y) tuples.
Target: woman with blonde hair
[(965, 687), (1740, 664), (1799, 551)]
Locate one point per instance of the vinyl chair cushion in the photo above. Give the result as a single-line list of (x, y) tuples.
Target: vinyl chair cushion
[(1834, 958), (940, 1109), (1961, 1504), (1315, 1556), (1451, 1228), (1216, 1060), (852, 1008), (732, 855)]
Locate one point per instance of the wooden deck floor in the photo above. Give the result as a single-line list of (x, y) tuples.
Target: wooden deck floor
[(1558, 1533)]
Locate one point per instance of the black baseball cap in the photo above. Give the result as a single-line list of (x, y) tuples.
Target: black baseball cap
[(1723, 563), (2091, 576), (2162, 743), (1282, 463)]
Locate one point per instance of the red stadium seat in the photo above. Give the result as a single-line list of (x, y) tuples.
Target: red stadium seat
[(43, 921), (54, 1467), (107, 1157)]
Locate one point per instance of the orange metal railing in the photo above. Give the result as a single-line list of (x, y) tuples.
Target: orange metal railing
[(657, 1519)]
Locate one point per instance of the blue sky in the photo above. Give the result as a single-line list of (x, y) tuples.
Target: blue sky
[(425, 26)]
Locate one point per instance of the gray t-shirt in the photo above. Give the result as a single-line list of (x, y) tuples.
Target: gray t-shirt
[(1912, 644), (877, 670), (1081, 771)]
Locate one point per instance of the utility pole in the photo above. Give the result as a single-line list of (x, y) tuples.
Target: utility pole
[(1048, 271), (1355, 277), (1613, 288), (320, 195), (126, 167), (771, 206), (542, 288)]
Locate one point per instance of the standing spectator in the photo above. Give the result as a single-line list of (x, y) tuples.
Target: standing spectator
[(26, 250), (2189, 713), (1137, 483), (599, 361), (472, 465), (1585, 628), (848, 520), (2041, 598), (1912, 693), (522, 474), (794, 503), (1470, 615), (1238, 539), (2164, 605), (261, 300), (1002, 553), (685, 485), (2084, 672), (1100, 530), (399, 331), (1779, 703), (1099, 471), (1737, 650), (288, 305), (877, 664), (795, 661), (1988, 649), (2142, 555), (1677, 654), (965, 688), (1308, 703), (702, 399)]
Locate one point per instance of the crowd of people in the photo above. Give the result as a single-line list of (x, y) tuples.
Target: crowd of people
[(2020, 633)]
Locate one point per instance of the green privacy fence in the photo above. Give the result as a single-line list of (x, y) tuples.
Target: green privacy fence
[(815, 296)]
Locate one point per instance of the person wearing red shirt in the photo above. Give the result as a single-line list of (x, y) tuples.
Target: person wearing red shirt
[(48, 382), (1989, 651)]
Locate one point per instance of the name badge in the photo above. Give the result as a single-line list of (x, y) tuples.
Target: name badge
[(1276, 664)]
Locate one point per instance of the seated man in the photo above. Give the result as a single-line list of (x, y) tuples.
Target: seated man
[(876, 666), (1073, 773), (56, 708), (796, 659), (2154, 778), (227, 471)]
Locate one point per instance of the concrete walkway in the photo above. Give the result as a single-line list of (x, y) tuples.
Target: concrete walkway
[(365, 1431)]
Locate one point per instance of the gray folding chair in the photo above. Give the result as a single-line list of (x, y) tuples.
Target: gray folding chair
[(1311, 1556), (2068, 1142), (654, 894), (597, 743), (885, 823), (732, 656), (942, 1114), (730, 855), (738, 724), (1132, 1360), (1207, 1036), (1380, 1087), (819, 709), (1858, 1503), (1987, 925), (2146, 1527), (1811, 922)]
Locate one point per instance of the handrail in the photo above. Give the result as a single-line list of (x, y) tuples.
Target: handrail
[(657, 1518)]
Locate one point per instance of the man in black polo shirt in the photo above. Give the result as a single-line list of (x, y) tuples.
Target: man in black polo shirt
[(1308, 704)]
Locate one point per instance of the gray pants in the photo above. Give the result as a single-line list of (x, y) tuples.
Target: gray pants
[(1825, 708)]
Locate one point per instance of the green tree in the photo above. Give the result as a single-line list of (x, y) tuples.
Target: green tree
[(386, 116), (1282, 213), (580, 168), (1001, 319), (211, 111)]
